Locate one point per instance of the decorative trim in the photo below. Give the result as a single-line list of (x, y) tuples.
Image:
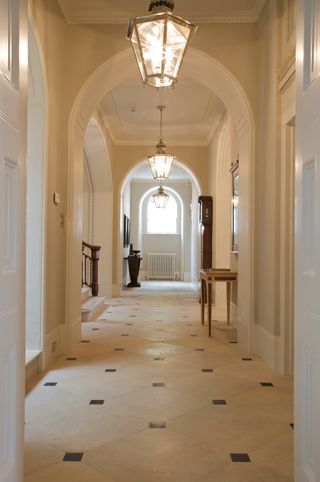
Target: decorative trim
[(267, 346), (251, 16), (74, 19), (58, 336), (288, 70)]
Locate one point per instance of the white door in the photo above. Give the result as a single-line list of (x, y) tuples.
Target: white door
[(12, 227), (307, 292)]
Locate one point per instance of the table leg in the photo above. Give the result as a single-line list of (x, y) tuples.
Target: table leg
[(228, 301), (203, 298), (209, 289)]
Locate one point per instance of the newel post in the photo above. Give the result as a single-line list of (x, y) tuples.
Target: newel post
[(95, 254)]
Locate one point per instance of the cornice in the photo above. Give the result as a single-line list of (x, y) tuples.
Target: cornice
[(79, 19), (288, 70)]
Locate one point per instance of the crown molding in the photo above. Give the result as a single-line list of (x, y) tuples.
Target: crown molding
[(79, 19), (250, 16)]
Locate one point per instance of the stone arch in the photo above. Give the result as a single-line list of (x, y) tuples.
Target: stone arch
[(217, 78)]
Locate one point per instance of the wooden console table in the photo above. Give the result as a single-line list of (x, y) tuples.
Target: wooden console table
[(207, 278)]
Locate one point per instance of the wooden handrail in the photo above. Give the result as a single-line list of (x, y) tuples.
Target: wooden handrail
[(90, 260)]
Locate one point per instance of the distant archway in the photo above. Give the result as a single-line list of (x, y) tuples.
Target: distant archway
[(217, 78)]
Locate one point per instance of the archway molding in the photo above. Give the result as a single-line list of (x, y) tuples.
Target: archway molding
[(218, 79)]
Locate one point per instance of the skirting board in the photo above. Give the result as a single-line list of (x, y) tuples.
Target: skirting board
[(267, 346), (55, 345)]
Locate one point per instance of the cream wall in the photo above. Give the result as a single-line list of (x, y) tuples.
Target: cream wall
[(223, 151), (251, 52)]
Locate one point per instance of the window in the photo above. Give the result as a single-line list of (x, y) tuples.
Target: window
[(162, 221)]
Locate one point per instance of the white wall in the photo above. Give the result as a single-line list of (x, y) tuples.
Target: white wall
[(126, 210), (179, 243), (35, 199), (223, 151), (98, 201)]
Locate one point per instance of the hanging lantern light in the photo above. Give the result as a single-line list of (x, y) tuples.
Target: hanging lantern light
[(161, 198), (160, 162), (159, 41)]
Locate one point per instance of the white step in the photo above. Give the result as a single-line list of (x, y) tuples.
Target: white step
[(85, 293), (92, 308)]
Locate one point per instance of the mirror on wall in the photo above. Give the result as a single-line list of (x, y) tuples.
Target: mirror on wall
[(235, 207)]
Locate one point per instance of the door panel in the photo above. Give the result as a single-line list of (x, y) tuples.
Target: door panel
[(307, 293), (13, 18)]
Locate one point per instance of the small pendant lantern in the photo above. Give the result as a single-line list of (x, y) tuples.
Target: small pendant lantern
[(159, 41), (160, 162), (161, 198)]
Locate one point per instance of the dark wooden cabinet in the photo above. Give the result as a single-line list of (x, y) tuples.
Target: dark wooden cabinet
[(205, 219)]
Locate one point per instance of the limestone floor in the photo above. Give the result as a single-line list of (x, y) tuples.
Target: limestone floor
[(155, 349)]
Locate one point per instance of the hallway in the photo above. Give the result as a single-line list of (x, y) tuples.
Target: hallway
[(150, 362)]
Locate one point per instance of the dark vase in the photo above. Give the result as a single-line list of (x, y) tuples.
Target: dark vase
[(134, 261)]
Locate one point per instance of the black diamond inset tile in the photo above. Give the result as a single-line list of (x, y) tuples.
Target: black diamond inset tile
[(240, 458), (266, 384), (119, 349), (199, 349), (292, 426), (246, 359), (133, 316), (157, 425), (85, 341), (125, 334), (110, 370), (207, 370), (193, 334), (159, 358), (95, 329), (73, 456), (72, 358), (233, 341), (219, 402), (129, 324), (96, 402), (50, 384), (158, 385)]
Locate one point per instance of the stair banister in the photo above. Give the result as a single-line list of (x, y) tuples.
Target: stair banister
[(90, 261)]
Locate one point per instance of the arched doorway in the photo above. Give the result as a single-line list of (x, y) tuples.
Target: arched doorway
[(185, 189), (217, 78)]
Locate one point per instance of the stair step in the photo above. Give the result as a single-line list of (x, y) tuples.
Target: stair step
[(85, 293), (92, 308)]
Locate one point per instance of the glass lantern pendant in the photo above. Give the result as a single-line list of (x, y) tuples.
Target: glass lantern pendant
[(161, 198), (159, 41), (160, 162)]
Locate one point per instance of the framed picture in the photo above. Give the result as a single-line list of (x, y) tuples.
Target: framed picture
[(126, 231), (235, 207)]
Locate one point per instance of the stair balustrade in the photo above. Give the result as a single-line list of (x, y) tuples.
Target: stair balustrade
[(90, 260)]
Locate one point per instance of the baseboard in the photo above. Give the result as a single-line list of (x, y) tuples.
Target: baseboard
[(33, 368), (55, 345), (243, 334), (105, 289), (266, 345), (187, 277), (75, 331), (116, 291)]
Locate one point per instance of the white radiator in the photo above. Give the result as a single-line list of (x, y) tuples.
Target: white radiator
[(161, 266)]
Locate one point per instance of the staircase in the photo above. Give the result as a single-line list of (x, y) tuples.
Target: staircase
[(92, 306)]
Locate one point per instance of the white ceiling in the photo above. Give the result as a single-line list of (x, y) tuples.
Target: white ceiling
[(177, 173), (191, 116), (200, 11)]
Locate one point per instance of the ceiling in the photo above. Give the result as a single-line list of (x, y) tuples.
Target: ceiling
[(191, 115), (177, 173), (200, 11)]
